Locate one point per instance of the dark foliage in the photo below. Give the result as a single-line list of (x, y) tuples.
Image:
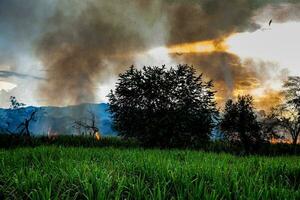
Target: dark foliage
[(17, 141), (23, 127), (287, 115), (14, 103), (239, 123), (14, 141), (163, 107), (266, 149)]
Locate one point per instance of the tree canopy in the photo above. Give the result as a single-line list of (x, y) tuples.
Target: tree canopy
[(287, 115), (163, 107), (239, 122)]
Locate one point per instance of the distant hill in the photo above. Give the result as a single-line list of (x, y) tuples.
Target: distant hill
[(58, 119)]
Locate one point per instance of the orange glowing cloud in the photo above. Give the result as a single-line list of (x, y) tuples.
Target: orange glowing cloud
[(269, 99), (207, 46)]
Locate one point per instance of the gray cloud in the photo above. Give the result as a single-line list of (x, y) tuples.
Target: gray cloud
[(8, 74)]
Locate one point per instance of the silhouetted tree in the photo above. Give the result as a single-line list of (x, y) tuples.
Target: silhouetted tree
[(239, 122), (23, 127), (287, 115), (163, 107), (14, 103), (286, 118), (270, 127), (88, 124)]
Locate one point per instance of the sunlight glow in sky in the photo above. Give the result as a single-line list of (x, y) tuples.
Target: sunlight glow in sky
[(275, 45), (7, 86), (278, 43)]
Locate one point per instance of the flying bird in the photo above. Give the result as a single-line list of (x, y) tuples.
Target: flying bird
[(179, 54), (265, 28), (270, 22)]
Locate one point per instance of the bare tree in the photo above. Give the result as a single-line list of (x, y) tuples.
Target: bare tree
[(88, 124), (288, 118), (23, 127), (287, 115), (270, 127)]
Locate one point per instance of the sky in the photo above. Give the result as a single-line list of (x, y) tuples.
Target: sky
[(66, 52)]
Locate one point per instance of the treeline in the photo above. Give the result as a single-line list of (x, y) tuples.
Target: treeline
[(220, 146), (175, 107), (8, 141)]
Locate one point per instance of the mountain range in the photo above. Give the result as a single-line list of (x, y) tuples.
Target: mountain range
[(57, 120)]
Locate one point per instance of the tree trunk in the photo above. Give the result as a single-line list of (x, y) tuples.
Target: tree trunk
[(245, 142), (295, 139)]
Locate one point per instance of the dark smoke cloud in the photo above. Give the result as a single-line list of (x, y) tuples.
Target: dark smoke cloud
[(215, 20), (209, 19), (81, 43), (212, 19), (281, 12), (225, 69), (78, 45), (230, 74), (82, 39)]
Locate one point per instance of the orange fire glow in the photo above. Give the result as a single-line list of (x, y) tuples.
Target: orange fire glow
[(240, 92), (199, 47), (51, 135), (282, 141), (97, 136), (269, 100), (265, 102)]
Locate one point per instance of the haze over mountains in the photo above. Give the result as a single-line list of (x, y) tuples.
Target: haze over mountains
[(57, 120)]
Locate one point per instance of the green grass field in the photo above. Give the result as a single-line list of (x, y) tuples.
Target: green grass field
[(111, 173)]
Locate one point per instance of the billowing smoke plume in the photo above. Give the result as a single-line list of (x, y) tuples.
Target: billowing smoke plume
[(269, 100), (84, 40), (196, 20), (209, 19), (232, 76), (280, 12)]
